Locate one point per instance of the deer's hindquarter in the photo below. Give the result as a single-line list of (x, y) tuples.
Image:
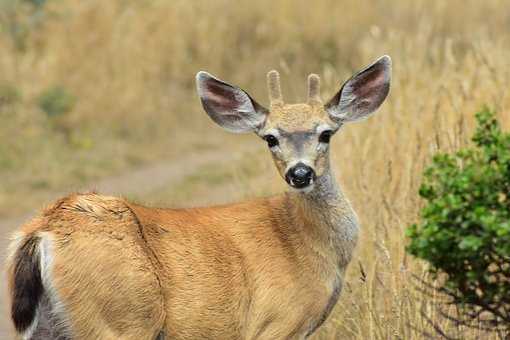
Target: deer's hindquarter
[(98, 278)]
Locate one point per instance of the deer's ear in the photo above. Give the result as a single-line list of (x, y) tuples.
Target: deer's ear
[(229, 106), (363, 93)]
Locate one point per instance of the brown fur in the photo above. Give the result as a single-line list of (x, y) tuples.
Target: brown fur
[(229, 272)]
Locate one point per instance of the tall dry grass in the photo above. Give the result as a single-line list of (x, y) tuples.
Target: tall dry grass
[(131, 66)]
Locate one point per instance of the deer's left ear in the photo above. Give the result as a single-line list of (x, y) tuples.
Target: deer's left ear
[(363, 93), (228, 105)]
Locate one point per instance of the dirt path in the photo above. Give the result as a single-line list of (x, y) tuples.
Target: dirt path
[(138, 182)]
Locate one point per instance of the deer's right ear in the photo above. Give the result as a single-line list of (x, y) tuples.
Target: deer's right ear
[(229, 106)]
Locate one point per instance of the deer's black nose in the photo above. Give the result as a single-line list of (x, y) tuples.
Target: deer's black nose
[(300, 176)]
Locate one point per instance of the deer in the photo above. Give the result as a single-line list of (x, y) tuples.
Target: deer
[(91, 266)]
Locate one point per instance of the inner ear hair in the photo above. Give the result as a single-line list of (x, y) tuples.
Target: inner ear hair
[(228, 105), (363, 93)]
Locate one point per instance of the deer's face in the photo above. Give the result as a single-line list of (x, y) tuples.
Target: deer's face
[(297, 135)]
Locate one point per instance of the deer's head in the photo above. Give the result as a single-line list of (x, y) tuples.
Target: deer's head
[(297, 135)]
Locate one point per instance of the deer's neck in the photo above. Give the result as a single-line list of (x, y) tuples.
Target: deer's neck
[(327, 222)]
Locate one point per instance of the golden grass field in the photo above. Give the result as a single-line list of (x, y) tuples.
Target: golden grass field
[(130, 66)]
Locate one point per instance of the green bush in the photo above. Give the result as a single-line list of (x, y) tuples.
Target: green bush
[(465, 225), (56, 101)]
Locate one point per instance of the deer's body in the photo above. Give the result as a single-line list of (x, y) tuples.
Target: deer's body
[(99, 267)]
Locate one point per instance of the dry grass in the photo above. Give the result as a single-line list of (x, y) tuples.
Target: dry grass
[(131, 65)]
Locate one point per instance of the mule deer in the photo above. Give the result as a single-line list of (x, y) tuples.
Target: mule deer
[(99, 267)]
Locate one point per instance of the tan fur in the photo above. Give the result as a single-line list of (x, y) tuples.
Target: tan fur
[(314, 90), (275, 91), (251, 270)]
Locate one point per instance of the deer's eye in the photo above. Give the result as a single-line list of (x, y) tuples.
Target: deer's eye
[(325, 136), (271, 140)]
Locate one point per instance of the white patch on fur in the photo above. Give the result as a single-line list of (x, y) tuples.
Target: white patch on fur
[(275, 149), (305, 190), (273, 132), (27, 335), (323, 127), (46, 265)]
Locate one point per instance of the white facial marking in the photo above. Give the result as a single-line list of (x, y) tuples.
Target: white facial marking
[(273, 132), (304, 190), (323, 127), (322, 147)]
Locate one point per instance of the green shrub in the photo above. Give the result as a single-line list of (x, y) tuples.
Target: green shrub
[(465, 225), (56, 101)]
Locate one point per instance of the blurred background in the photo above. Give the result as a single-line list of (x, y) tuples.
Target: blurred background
[(100, 95)]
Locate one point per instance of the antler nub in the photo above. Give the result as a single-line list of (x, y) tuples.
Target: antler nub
[(314, 89), (273, 85)]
